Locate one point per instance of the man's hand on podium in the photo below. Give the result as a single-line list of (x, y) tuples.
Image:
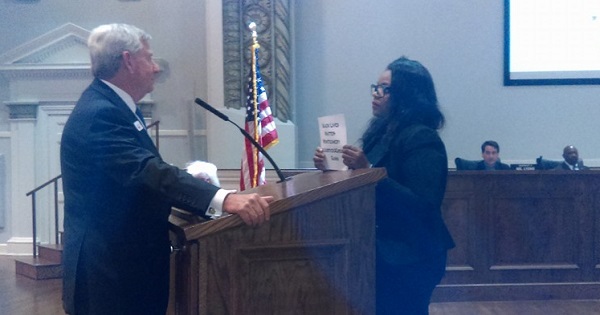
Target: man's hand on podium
[(252, 208)]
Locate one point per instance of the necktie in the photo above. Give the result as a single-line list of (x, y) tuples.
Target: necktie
[(138, 112)]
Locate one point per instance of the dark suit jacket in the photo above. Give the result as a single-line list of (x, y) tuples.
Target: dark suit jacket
[(564, 166), (118, 196), (497, 166), (409, 222)]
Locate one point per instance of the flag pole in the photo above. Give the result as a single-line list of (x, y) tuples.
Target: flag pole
[(260, 124), (253, 48)]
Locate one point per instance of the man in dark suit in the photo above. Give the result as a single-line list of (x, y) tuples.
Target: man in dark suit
[(490, 151), (119, 191), (572, 161)]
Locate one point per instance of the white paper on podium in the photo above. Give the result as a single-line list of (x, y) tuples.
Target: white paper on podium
[(333, 137)]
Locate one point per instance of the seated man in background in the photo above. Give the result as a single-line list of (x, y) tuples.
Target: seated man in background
[(572, 161), (490, 151)]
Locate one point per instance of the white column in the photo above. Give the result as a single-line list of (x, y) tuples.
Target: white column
[(22, 174)]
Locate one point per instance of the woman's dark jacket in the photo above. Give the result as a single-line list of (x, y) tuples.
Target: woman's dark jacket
[(409, 222)]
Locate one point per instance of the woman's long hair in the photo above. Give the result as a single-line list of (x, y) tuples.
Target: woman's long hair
[(412, 101)]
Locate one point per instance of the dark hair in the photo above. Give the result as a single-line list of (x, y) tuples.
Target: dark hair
[(490, 143), (412, 101)]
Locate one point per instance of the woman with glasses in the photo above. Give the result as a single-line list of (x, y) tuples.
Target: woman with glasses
[(412, 238)]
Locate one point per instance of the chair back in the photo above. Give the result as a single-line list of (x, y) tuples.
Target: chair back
[(465, 165), (543, 164)]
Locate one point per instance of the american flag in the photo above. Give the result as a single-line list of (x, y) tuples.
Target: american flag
[(261, 126)]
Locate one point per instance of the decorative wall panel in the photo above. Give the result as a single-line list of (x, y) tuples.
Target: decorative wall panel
[(272, 18)]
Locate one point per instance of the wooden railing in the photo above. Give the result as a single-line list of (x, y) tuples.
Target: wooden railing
[(54, 181)]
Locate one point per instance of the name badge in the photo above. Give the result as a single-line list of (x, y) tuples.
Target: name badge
[(138, 125)]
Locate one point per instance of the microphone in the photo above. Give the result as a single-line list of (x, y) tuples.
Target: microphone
[(246, 134), (212, 110)]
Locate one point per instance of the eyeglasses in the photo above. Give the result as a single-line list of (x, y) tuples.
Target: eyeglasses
[(379, 90)]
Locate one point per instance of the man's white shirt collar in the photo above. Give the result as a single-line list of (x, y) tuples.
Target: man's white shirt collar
[(123, 95)]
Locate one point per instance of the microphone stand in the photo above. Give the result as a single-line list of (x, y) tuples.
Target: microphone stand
[(246, 134)]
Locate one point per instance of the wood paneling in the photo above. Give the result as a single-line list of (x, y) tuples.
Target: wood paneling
[(522, 235)]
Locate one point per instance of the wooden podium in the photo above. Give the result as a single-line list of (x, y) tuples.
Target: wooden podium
[(315, 256)]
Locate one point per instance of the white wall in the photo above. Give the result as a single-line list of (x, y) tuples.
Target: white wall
[(179, 32), (185, 36), (343, 45)]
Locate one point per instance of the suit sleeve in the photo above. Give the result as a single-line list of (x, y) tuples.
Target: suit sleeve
[(125, 155)]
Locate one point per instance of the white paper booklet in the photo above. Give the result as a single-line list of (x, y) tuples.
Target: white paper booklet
[(333, 137)]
